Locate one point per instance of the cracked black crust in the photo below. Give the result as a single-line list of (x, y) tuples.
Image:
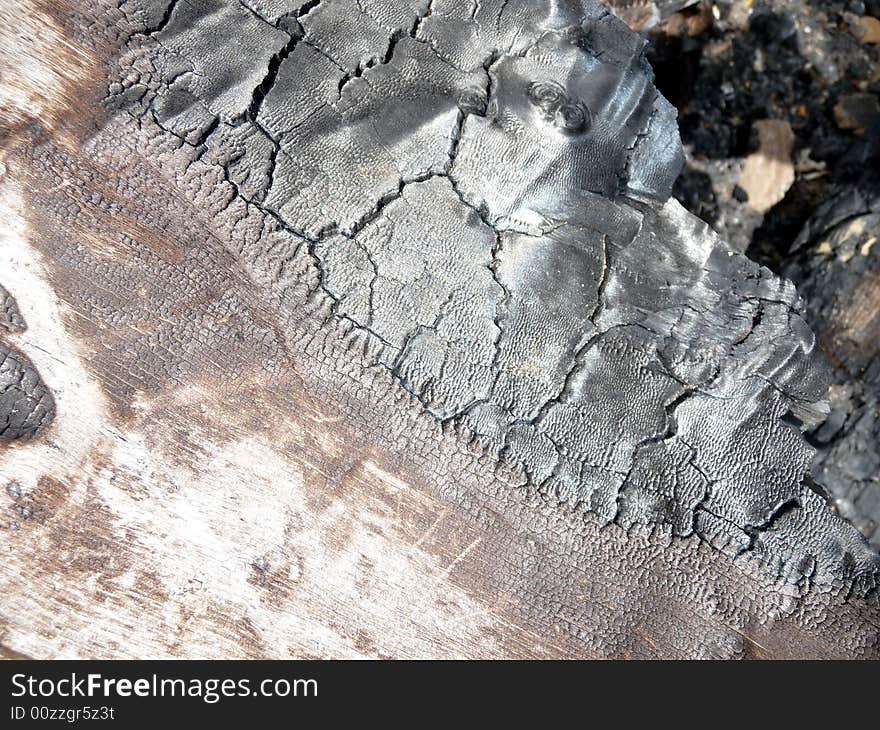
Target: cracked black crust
[(26, 405), (10, 318), (527, 285)]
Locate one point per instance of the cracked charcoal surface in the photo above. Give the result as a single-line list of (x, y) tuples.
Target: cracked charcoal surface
[(26, 405), (10, 318), (482, 191), (838, 267), (801, 63)]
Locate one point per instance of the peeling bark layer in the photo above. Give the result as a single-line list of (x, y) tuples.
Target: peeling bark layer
[(390, 300)]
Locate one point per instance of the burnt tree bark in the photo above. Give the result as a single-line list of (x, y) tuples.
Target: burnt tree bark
[(370, 329)]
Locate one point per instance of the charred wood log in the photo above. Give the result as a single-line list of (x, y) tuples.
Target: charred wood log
[(373, 330)]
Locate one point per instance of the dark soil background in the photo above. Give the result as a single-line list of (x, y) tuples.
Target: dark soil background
[(813, 65)]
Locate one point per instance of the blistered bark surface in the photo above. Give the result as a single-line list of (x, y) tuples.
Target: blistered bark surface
[(428, 248)]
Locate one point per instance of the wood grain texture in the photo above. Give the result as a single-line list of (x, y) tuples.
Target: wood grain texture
[(227, 477)]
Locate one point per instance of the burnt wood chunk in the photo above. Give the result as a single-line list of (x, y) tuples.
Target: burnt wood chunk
[(374, 331)]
